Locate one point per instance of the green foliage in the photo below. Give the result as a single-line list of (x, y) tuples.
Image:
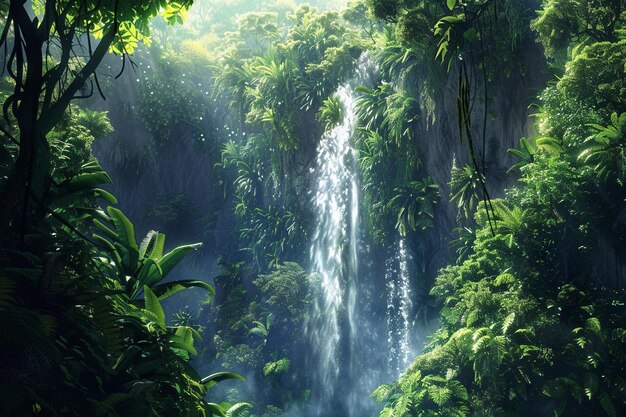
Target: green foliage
[(596, 77), (269, 233), (466, 190), (427, 396), (70, 141), (72, 314), (504, 340), (286, 293), (248, 183), (277, 367), (137, 267), (528, 320), (298, 72), (173, 93), (357, 14), (448, 29), (563, 118), (605, 150), (562, 23), (48, 78), (415, 206), (132, 20), (401, 112), (96, 122), (526, 153), (265, 233), (395, 196), (331, 112), (510, 222), (384, 9), (280, 84), (260, 331), (258, 30), (82, 339)]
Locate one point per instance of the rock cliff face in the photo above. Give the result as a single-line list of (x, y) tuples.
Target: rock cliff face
[(173, 186), (170, 186), (509, 118)]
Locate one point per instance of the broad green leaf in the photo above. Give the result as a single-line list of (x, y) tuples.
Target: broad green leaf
[(84, 181), (184, 346), (213, 379), (157, 249), (148, 269), (165, 290), (216, 409), (450, 19), (171, 259), (147, 243), (105, 195), (107, 231), (124, 228), (153, 305), (126, 358), (185, 334), (152, 245)]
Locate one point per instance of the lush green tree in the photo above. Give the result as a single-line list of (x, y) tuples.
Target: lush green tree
[(50, 69), (530, 320), (260, 331), (84, 331), (278, 84), (596, 77), (502, 347), (562, 23), (358, 14), (287, 294), (85, 318)]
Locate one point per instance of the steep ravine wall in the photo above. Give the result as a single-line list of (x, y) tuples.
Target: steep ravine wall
[(179, 170), (143, 173), (509, 118)]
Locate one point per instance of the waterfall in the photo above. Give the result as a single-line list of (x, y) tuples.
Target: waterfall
[(399, 306), (334, 250), (341, 380)]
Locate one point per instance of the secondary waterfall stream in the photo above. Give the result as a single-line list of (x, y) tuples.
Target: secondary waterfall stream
[(399, 306)]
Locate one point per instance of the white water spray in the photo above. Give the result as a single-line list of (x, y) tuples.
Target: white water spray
[(399, 306), (335, 243), (341, 384)]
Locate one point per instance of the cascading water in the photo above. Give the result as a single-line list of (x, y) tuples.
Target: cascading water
[(348, 349), (341, 384), (334, 254), (399, 306)]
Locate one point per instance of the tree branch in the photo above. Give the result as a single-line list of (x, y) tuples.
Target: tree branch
[(50, 117)]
